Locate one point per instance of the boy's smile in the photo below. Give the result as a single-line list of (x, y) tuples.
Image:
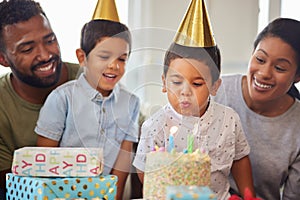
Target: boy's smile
[(106, 64)]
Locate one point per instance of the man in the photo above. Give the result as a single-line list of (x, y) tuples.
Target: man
[(30, 48)]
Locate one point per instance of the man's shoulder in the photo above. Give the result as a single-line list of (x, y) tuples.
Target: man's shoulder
[(5, 85), (73, 70), (3, 78)]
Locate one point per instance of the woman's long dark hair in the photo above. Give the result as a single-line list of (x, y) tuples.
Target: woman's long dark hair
[(289, 31)]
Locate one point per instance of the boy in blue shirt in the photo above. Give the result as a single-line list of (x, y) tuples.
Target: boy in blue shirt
[(95, 110)]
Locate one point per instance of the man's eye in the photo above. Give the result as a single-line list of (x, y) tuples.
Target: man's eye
[(51, 40), (27, 50)]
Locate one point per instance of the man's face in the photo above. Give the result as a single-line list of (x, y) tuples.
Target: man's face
[(32, 52)]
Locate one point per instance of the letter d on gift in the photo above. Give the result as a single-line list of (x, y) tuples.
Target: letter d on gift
[(40, 157), (81, 158)]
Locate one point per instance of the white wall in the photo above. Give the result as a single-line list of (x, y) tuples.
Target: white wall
[(68, 17), (235, 27), (154, 24)]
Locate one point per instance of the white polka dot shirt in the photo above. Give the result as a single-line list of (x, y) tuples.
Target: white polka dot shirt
[(218, 131)]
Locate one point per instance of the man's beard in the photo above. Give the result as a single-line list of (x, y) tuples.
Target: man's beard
[(35, 81)]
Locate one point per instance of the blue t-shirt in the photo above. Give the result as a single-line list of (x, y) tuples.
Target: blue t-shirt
[(77, 115)]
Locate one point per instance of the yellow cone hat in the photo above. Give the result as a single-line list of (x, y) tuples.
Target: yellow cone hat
[(106, 9), (195, 29)]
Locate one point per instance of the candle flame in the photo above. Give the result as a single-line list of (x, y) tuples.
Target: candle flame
[(195, 130), (173, 130)]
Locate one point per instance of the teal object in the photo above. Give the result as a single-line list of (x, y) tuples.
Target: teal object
[(183, 192), (37, 188)]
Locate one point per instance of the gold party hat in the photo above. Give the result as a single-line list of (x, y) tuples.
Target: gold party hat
[(106, 9), (195, 29)]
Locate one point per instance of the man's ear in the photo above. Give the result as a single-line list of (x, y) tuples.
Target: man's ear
[(81, 57), (215, 87), (3, 60), (164, 89)]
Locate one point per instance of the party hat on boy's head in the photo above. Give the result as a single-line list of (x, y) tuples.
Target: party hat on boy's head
[(106, 9), (195, 29)]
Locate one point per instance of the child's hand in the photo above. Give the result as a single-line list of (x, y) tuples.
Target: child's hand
[(234, 197), (248, 196)]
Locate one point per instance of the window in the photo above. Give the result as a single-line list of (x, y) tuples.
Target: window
[(290, 8), (68, 17)]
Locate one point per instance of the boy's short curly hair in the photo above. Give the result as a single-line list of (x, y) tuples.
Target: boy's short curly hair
[(95, 30), (211, 56), (15, 11)]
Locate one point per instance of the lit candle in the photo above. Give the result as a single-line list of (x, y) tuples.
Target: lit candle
[(195, 129), (171, 142), (173, 130)]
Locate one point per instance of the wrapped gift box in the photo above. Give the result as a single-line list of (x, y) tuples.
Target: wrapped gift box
[(29, 188), (190, 193), (57, 162)]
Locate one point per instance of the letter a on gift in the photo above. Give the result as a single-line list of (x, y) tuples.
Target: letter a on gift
[(94, 170), (15, 171), (54, 170), (27, 172)]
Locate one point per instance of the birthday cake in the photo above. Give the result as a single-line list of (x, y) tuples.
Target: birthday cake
[(172, 169)]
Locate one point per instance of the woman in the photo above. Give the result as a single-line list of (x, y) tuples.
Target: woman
[(267, 102)]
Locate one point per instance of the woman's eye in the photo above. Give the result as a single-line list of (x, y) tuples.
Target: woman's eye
[(280, 69), (259, 60)]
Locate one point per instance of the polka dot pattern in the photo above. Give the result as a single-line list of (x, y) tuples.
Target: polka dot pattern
[(28, 188), (220, 133)]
